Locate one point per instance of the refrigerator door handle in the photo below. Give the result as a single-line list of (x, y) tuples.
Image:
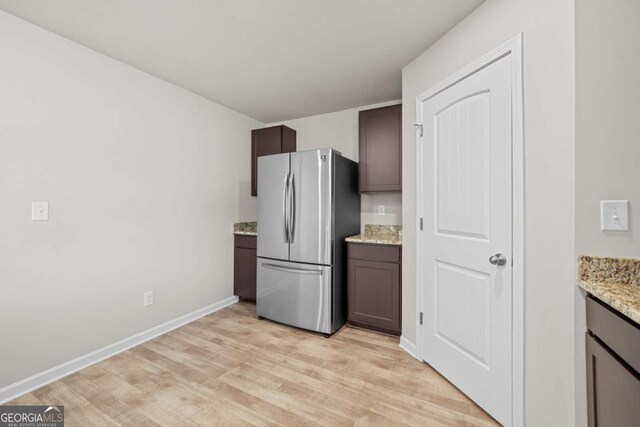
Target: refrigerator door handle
[(291, 269), (292, 208), (285, 198)]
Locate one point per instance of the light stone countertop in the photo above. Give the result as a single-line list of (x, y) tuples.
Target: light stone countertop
[(379, 235), (374, 233), (614, 281), (246, 228)]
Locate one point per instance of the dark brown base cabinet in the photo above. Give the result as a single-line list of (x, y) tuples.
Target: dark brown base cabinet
[(613, 362), (374, 287), (244, 267)]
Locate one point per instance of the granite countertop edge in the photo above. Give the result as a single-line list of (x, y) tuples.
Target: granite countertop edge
[(246, 228), (615, 295), (375, 234), (614, 281), (359, 238)]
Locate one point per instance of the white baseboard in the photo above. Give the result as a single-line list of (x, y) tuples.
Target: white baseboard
[(408, 346), (38, 380)]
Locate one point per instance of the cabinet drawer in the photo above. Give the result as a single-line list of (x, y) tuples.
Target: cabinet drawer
[(378, 253), (242, 241), (618, 333)]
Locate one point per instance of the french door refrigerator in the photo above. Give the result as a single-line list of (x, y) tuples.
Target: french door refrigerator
[(308, 202)]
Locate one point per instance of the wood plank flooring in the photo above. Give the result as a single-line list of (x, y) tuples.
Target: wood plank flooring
[(229, 368)]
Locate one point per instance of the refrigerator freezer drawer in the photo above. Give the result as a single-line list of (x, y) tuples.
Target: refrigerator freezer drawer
[(295, 294)]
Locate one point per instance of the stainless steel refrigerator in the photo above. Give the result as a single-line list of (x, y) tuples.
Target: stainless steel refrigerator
[(308, 202)]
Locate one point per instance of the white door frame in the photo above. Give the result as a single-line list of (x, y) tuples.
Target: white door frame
[(512, 47)]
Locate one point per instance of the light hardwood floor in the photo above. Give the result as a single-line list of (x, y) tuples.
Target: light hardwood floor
[(230, 368)]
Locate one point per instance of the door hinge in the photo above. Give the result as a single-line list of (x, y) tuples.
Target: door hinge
[(418, 127), (421, 318), (421, 223)]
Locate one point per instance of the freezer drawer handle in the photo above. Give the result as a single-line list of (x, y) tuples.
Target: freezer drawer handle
[(292, 270)]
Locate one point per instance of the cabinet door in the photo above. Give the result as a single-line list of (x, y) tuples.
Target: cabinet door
[(374, 295), (381, 149), (613, 389), (263, 142), (266, 141), (244, 273)]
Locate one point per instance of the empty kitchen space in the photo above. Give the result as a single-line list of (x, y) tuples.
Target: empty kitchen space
[(337, 213)]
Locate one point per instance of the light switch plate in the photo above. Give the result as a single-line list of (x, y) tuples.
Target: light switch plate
[(614, 215), (40, 211), (381, 210), (147, 298)]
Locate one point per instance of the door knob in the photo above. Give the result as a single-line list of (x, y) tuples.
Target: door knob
[(498, 259)]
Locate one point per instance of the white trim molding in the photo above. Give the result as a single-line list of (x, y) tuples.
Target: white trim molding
[(408, 346), (512, 47), (17, 389)]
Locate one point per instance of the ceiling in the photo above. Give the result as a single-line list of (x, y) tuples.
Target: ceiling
[(271, 60)]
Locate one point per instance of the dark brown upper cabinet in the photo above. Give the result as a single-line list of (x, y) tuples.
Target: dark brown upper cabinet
[(266, 141), (381, 149)]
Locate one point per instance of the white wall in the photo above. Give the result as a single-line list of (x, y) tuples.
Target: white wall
[(548, 34), (144, 180), (339, 130), (607, 138), (607, 125)]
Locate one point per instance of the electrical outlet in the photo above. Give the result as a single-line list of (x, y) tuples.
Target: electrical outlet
[(381, 210), (148, 298)]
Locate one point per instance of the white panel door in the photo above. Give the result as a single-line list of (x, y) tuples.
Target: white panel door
[(467, 192)]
